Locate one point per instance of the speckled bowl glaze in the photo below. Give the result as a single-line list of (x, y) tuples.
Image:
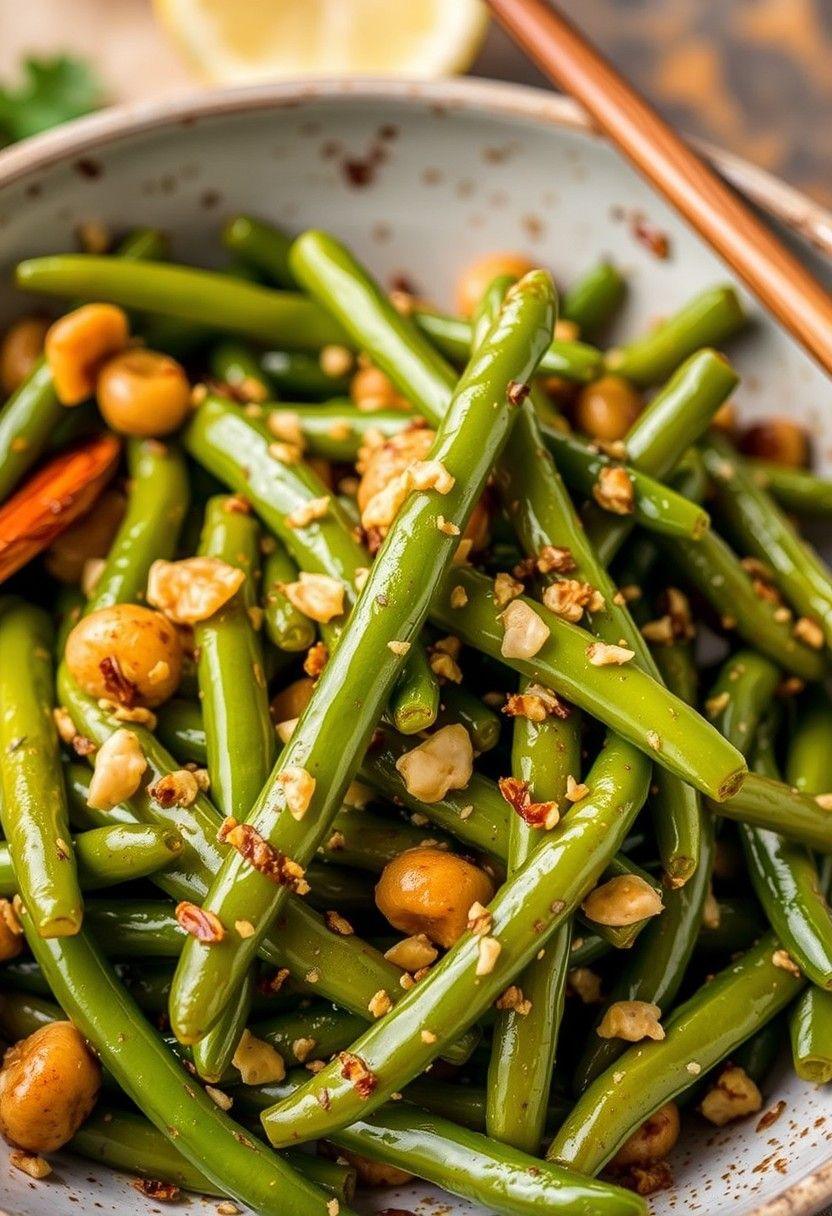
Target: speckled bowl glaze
[(419, 179)]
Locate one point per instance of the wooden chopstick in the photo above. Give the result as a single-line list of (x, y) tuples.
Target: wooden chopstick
[(780, 282)]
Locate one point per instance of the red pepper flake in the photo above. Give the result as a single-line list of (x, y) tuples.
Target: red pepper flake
[(517, 392), (118, 687), (354, 1070), (316, 659), (199, 922), (262, 856), (535, 814), (647, 234), (164, 1192)]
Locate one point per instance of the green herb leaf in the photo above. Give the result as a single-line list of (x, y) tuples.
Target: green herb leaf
[(52, 92)]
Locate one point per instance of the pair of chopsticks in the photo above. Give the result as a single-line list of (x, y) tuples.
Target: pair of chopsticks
[(779, 281)]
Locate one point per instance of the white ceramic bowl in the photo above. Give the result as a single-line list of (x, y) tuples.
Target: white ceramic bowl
[(419, 179)]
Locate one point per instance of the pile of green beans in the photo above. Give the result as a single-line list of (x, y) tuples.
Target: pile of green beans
[(505, 697)]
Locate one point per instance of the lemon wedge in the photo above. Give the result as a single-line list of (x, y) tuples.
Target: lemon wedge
[(243, 41)]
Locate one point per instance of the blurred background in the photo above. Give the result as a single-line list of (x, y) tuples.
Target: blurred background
[(752, 75)]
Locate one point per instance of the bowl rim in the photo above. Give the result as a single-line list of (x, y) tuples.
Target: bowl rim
[(803, 216)]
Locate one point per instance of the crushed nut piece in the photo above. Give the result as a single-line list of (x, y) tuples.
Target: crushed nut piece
[(29, 1163), (535, 814), (443, 762), (555, 560), (192, 589), (623, 900), (614, 491), (179, 788), (808, 631), (286, 426), (783, 960), (514, 1000), (302, 1049), (575, 790), (336, 923), (631, 1021), (354, 1070), (602, 655), (734, 1095), (715, 705), (119, 768), (223, 1100), (569, 597), (380, 1003), (412, 953), (399, 648), (506, 589), (258, 1062), (479, 919), (525, 633), (262, 856), (585, 983), (459, 597), (308, 512), (318, 596), (488, 953), (199, 922)]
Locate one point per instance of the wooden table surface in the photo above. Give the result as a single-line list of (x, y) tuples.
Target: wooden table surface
[(753, 75)]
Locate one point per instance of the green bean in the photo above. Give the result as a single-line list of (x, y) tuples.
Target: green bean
[(623, 697), (235, 449), (809, 759), (295, 375), (207, 297), (156, 506), (594, 298), (709, 319), (674, 419), (451, 336), (344, 969), (33, 806), (350, 692), (180, 729), (239, 735), (135, 928), (312, 1032), (714, 570), (544, 755), (22, 1013), (27, 423), (757, 1055), (212, 1055), (810, 1031), (108, 856), (765, 803), (762, 530), (91, 995), (235, 365), (368, 842), (522, 918), (336, 888), (261, 246), (796, 490), (459, 705), (460, 1160), (731, 1007), (285, 625)]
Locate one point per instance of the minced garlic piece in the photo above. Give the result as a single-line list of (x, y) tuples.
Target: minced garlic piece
[(783, 960), (443, 762), (585, 983), (193, 589), (380, 1004), (631, 1021), (734, 1095), (63, 724), (431, 475), (285, 425), (445, 666), (488, 953), (514, 1000), (302, 1049), (623, 900), (445, 526), (298, 787), (412, 953), (427, 1036), (808, 631), (459, 597), (285, 453), (602, 655), (575, 790), (506, 589), (336, 360), (244, 928), (568, 598), (479, 919), (525, 632), (318, 596), (308, 512), (715, 705), (258, 1062), (659, 631), (399, 648), (614, 491), (119, 768)]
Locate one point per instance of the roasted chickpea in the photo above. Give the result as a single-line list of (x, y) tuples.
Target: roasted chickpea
[(292, 700), (127, 654), (141, 392), (48, 1086), (77, 345), (426, 890), (607, 408), (88, 538), (652, 1141), (20, 350), (474, 281), (389, 459), (779, 440), (11, 933)]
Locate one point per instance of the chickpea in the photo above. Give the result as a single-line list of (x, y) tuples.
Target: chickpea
[(141, 392), (474, 281), (292, 700), (607, 408), (652, 1141), (20, 350), (393, 456), (127, 654), (78, 343), (779, 440), (48, 1086), (426, 890), (88, 538)]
